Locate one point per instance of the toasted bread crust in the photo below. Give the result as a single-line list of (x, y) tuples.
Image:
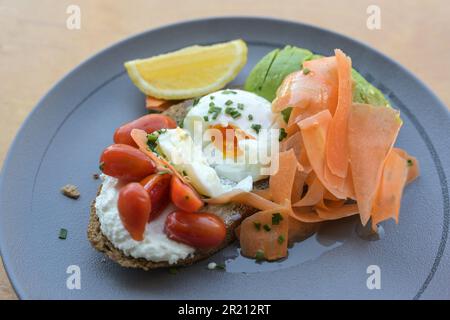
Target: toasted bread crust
[(232, 214), (100, 242)]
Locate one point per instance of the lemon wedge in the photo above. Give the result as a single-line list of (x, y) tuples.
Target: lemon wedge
[(190, 72)]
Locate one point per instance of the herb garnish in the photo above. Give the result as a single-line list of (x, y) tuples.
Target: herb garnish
[(280, 239), (306, 71), (229, 92), (286, 113), (195, 102), (266, 227), (101, 166), (220, 266), (152, 137), (283, 134), (206, 118), (228, 103), (232, 112), (250, 117), (240, 106), (163, 172), (215, 111), (257, 225), (211, 97), (62, 234), (151, 141), (276, 218), (173, 270), (410, 163), (259, 256), (256, 127)]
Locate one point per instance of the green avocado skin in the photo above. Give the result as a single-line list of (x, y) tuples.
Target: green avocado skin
[(364, 92), (269, 72)]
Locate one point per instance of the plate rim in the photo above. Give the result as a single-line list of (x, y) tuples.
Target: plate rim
[(8, 158)]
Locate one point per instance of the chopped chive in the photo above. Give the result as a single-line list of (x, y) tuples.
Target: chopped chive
[(259, 256), (410, 163), (211, 97), (163, 172), (286, 113), (240, 106), (283, 134), (276, 218), (232, 112), (256, 127), (229, 92), (101, 166), (62, 234), (152, 137), (180, 123), (266, 227), (220, 266), (206, 118), (280, 239), (173, 270), (306, 71), (212, 104), (195, 102), (257, 225), (228, 103), (250, 117)]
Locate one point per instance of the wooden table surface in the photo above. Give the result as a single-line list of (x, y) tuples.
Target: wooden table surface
[(36, 48)]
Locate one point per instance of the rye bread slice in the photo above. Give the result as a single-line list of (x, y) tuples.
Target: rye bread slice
[(232, 214)]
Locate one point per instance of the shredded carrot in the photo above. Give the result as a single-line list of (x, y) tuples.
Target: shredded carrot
[(337, 143), (412, 163), (390, 189), (371, 135), (140, 137), (313, 196), (265, 233), (281, 183), (159, 105)]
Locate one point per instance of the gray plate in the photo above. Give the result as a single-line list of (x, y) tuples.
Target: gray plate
[(62, 138)]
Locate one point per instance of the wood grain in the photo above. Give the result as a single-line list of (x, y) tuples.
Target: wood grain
[(36, 48)]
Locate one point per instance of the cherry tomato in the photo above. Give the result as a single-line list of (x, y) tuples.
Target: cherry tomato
[(134, 209), (183, 197), (197, 229), (148, 123), (126, 163), (158, 188)]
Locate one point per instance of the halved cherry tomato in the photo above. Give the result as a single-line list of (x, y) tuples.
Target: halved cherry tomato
[(198, 229), (134, 209), (126, 163), (183, 196), (158, 188), (148, 123)]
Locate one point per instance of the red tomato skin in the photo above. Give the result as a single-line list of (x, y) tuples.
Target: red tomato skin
[(134, 209), (197, 229), (148, 123), (158, 188), (126, 163), (183, 197)]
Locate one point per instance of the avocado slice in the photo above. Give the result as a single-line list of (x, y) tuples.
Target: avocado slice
[(267, 75), (365, 92), (258, 75), (270, 71)]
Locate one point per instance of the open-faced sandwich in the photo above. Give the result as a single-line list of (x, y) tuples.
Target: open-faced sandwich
[(307, 139)]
